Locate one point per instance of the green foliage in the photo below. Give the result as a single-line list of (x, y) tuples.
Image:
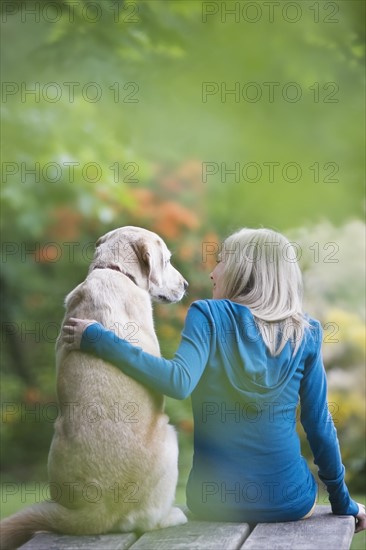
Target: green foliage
[(150, 143)]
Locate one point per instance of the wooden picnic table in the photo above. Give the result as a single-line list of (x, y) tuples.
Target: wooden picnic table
[(322, 531)]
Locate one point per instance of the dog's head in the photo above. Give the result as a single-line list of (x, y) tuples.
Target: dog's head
[(144, 258)]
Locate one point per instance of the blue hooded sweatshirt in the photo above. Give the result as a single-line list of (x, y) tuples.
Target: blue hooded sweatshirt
[(247, 463)]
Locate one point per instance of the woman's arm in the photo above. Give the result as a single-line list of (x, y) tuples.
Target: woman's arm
[(320, 430), (176, 378)]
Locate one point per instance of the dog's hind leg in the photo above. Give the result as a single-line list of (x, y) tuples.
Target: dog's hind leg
[(175, 517)]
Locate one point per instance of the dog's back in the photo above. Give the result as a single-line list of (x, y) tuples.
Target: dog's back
[(110, 427), (113, 457)]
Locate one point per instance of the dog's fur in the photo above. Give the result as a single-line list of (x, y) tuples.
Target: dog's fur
[(113, 459)]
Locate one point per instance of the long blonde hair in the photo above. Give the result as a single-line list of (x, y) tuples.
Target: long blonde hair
[(261, 272)]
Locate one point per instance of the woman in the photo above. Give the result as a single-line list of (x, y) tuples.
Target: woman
[(247, 356)]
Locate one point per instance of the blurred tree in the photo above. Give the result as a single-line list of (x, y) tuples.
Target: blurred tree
[(108, 123)]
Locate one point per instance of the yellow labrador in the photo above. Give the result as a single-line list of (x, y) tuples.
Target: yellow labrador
[(113, 459)]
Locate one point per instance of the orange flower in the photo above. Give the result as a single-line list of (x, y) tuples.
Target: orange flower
[(191, 170), (32, 395), (146, 202), (49, 252), (172, 184), (172, 218), (65, 224)]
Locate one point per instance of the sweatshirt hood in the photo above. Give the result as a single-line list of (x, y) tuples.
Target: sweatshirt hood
[(249, 366)]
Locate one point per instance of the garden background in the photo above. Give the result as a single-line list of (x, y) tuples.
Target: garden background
[(191, 119)]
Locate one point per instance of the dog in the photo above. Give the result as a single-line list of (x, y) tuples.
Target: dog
[(113, 461)]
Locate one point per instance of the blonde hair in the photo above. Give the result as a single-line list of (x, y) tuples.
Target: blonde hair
[(262, 273)]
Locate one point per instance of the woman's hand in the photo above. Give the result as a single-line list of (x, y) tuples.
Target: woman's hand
[(72, 332), (360, 518)]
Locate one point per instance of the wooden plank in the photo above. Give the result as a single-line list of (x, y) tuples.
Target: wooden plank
[(195, 535), (322, 531), (52, 541)]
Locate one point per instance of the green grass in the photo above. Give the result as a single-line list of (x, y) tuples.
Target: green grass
[(14, 497)]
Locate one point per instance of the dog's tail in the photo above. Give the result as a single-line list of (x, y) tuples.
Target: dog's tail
[(49, 516)]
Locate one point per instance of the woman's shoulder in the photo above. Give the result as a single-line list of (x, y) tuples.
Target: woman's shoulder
[(313, 334), (212, 307), (205, 306), (313, 324)]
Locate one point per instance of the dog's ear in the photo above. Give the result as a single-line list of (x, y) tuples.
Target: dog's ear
[(106, 236), (148, 261), (100, 241)]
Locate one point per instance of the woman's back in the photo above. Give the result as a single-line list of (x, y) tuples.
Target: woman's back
[(247, 452)]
